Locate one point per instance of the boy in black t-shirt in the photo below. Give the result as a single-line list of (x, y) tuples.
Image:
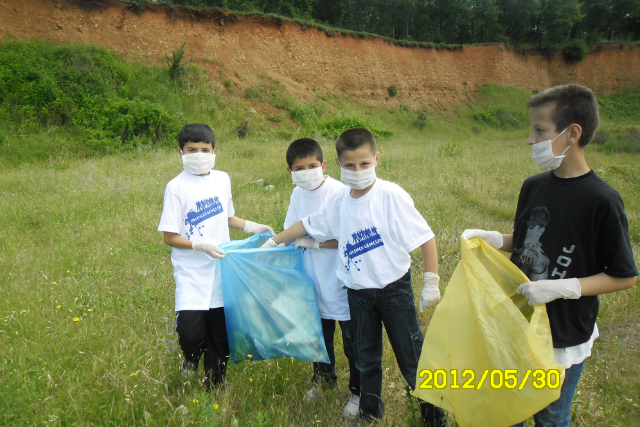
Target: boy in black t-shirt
[(570, 234)]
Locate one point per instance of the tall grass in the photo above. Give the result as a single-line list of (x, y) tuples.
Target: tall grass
[(79, 241)]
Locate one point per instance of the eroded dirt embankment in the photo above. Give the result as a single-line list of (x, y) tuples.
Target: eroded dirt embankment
[(250, 47)]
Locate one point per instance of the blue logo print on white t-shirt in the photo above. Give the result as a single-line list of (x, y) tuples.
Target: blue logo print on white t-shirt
[(205, 209), (363, 241)]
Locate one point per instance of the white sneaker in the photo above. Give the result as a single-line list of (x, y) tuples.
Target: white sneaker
[(352, 408), (313, 393)]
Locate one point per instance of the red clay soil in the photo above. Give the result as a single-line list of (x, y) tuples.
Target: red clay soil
[(248, 47)]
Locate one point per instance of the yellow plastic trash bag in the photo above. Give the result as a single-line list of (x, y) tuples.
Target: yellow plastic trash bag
[(487, 355)]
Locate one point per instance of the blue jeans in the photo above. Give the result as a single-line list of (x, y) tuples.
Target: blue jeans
[(327, 371), (558, 413), (393, 307)]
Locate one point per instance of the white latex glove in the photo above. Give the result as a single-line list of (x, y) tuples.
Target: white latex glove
[(493, 238), (271, 244), (430, 294), (307, 242), (208, 248), (544, 291), (255, 228)]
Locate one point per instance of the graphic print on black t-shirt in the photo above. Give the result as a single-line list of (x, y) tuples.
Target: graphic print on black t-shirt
[(205, 209), (532, 260), (364, 241)]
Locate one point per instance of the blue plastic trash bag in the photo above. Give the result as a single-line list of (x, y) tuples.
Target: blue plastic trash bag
[(270, 304)]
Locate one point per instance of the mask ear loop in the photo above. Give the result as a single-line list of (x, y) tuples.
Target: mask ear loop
[(568, 146)]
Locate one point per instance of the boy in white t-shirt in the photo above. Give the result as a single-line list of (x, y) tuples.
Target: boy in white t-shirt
[(307, 166), (198, 211), (377, 226)]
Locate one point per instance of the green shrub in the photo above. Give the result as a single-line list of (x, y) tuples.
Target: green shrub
[(81, 88), (253, 93), (336, 125), (501, 117), (421, 119), (575, 50), (228, 83), (392, 90), (174, 62)]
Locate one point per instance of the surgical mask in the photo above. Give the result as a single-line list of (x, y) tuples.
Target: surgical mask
[(198, 163), (309, 179), (542, 153), (358, 180)]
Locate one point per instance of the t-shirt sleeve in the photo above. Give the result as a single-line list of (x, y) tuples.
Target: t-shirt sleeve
[(408, 227), (230, 209), (171, 220), (292, 216), (614, 242), (323, 224), (522, 197)]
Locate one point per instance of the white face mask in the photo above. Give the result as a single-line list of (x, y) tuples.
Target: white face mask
[(198, 163), (358, 180), (542, 153), (309, 179)]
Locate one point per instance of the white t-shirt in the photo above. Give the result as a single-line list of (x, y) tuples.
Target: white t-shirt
[(570, 356), (197, 208), (375, 233), (321, 265)]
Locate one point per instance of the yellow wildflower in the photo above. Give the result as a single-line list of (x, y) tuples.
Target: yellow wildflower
[(196, 401), (54, 283), (58, 306), (90, 310), (215, 406), (24, 311), (249, 356), (250, 380), (135, 374), (286, 379), (76, 319)]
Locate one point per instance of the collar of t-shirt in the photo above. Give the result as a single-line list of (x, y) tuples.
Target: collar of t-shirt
[(366, 197), (197, 178), (576, 179)]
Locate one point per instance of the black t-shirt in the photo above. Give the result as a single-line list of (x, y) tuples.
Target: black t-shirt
[(571, 227)]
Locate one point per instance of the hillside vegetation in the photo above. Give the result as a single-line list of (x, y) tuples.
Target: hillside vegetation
[(69, 101)]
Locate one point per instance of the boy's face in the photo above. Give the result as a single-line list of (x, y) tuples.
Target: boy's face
[(543, 129), (359, 159), (307, 163), (197, 147)]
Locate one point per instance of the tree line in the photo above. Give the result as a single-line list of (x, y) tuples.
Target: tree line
[(527, 23)]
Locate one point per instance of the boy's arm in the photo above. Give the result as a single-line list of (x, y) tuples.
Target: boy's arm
[(430, 294), (249, 226), (176, 241), (544, 291), (287, 236), (329, 244)]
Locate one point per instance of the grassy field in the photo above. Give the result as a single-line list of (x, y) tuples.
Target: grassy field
[(86, 284)]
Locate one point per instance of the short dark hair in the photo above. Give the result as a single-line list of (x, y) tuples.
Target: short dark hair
[(352, 139), (572, 103), (196, 132), (302, 148)]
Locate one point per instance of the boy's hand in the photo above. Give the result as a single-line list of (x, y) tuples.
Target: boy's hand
[(209, 248), (493, 238), (430, 294), (307, 242), (544, 291), (271, 244), (255, 228)]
